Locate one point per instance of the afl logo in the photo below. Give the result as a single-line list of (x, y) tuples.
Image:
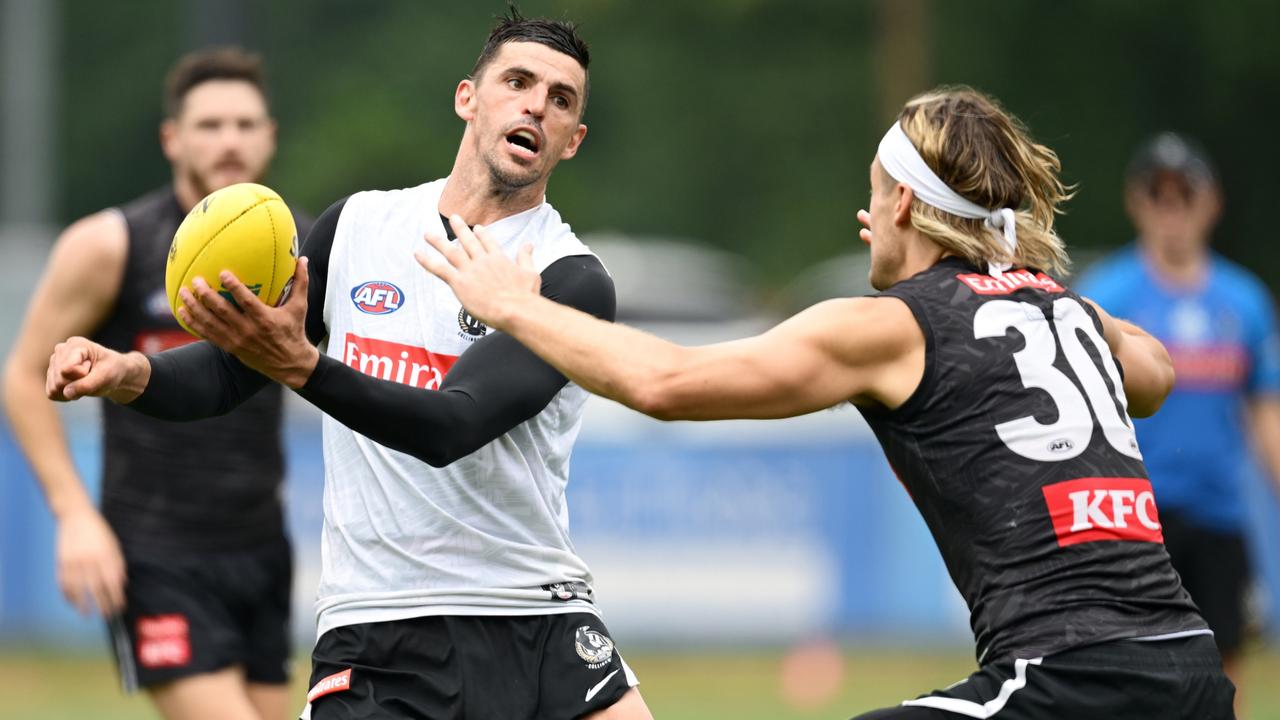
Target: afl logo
[(1061, 445), (377, 297), (593, 647)]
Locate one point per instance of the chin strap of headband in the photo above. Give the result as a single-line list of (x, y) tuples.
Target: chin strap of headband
[(902, 161)]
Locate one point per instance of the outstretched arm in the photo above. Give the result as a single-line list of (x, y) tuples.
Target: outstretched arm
[(194, 381), (493, 387), (1148, 369), (864, 349)]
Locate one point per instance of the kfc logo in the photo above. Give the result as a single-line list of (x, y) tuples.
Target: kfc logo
[(1093, 509)]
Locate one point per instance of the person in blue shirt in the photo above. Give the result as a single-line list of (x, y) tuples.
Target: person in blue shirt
[(1218, 323)]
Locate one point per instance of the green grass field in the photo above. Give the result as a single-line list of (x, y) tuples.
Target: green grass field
[(44, 686)]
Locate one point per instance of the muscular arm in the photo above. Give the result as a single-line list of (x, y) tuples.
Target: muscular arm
[(1148, 369), (495, 385), (78, 289), (868, 350)]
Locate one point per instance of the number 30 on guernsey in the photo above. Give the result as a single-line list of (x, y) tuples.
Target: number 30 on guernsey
[(1070, 434)]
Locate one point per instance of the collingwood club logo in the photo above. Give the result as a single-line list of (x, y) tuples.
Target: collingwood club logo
[(593, 647), (472, 328)]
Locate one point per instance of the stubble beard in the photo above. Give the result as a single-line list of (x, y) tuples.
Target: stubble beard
[(204, 186), (504, 183)]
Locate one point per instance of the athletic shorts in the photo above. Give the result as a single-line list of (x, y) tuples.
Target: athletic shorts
[(1214, 567), (191, 614), (1179, 679), (555, 667)]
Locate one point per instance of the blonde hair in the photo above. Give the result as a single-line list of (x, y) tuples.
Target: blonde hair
[(986, 155)]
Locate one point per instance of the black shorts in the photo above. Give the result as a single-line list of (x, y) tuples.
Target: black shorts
[(1166, 679), (474, 667), (191, 614), (1214, 567)]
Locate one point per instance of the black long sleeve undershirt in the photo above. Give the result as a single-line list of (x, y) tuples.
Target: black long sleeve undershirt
[(495, 385), (196, 381)]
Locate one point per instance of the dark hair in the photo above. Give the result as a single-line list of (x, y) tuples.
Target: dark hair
[(559, 35), (219, 63), (1173, 153)]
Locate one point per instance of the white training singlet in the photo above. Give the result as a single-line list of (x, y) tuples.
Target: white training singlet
[(402, 539)]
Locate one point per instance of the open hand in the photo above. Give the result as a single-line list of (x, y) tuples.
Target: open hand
[(271, 340), (487, 282)]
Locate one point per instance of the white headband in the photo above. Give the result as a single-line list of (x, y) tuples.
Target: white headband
[(902, 161)]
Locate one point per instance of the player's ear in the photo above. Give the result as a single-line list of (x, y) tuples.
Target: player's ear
[(464, 100), (169, 139), (1214, 201), (574, 142), (902, 210)]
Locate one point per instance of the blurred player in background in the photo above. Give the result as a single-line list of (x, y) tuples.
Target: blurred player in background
[(995, 394), (188, 558), (449, 586), (1218, 321)]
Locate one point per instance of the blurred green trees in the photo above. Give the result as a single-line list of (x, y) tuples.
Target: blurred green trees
[(746, 124)]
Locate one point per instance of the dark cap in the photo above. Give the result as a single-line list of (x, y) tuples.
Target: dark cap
[(1170, 152)]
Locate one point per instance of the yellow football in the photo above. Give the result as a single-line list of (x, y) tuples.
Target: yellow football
[(245, 228)]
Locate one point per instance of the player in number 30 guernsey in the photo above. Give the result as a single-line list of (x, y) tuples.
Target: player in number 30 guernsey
[(1002, 399)]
